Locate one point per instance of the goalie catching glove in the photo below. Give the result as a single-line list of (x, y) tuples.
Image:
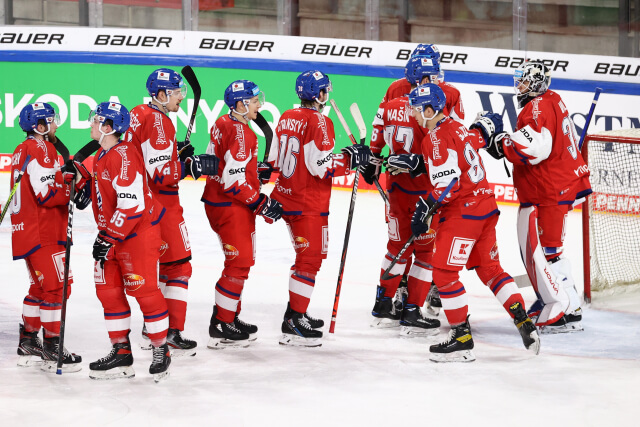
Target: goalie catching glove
[(204, 164), (359, 155), (269, 209), (371, 171), (403, 163), (421, 219)]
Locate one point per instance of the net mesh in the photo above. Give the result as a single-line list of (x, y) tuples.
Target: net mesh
[(614, 208)]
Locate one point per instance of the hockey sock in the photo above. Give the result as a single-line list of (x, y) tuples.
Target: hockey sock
[(301, 284), (391, 285), (156, 317), (453, 296), (51, 312), (117, 313), (175, 292), (505, 290), (228, 293), (420, 278), (31, 313)]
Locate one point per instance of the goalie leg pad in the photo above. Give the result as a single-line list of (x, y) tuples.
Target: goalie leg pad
[(562, 270)]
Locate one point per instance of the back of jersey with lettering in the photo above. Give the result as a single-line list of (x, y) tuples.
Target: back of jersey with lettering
[(306, 162)]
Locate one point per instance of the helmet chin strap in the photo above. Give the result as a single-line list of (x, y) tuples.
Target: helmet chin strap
[(426, 119), (246, 107), (164, 104), (103, 134)]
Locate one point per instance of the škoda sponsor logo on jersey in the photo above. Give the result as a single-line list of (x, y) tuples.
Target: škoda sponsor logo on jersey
[(300, 244), (324, 160), (46, 178), (230, 251), (133, 282), (161, 158)]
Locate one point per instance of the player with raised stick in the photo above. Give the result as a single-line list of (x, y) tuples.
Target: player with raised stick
[(465, 235), (307, 164), (155, 136), (232, 201), (551, 178), (39, 211)]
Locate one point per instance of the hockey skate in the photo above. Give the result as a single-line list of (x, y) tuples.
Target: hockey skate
[(525, 326), (571, 322), (117, 364), (70, 361), (297, 331), (400, 298), (313, 322), (384, 312), (414, 324), (226, 335), (180, 346), (160, 364), (243, 326), (457, 348), (146, 342), (29, 349), (433, 304)]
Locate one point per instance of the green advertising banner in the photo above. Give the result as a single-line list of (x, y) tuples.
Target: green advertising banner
[(74, 89)]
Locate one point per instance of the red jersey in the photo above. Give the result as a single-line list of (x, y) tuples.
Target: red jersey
[(306, 162), (235, 144), (123, 205), (403, 135), (548, 168), (451, 150), (40, 206), (453, 107), (152, 131)]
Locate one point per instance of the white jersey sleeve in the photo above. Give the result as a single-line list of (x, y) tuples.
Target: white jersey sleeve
[(530, 146)]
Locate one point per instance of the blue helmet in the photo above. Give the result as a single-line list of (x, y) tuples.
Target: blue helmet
[(32, 113), (427, 95), (113, 111), (427, 50), (241, 90), (310, 83), (419, 67), (165, 79)]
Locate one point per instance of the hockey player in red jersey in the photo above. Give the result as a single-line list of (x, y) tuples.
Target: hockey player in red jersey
[(396, 128), (551, 178), (465, 234), (39, 212), (127, 247), (306, 162), (155, 136), (232, 200)]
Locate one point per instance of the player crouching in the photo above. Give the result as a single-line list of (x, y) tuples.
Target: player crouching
[(127, 247)]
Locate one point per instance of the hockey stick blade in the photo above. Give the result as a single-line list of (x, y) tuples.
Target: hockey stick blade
[(588, 119), (357, 117), (386, 275), (14, 188), (268, 134), (190, 76)]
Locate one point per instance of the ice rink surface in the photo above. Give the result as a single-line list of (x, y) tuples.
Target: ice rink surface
[(360, 376)]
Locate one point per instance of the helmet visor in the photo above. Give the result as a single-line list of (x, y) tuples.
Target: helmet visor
[(54, 119), (180, 92)]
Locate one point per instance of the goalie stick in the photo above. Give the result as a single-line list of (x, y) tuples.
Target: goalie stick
[(357, 117), (190, 76), (347, 233), (80, 156), (386, 275), (14, 188)]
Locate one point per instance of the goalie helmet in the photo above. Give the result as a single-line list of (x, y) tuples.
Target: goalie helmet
[(31, 114), (531, 79), (310, 83), (420, 67), (117, 113), (165, 79), (242, 90), (424, 49)]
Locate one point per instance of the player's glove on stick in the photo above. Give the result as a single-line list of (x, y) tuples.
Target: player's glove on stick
[(488, 124), (269, 209), (371, 171), (73, 170), (102, 248), (264, 172), (82, 198), (494, 146), (421, 220), (204, 164), (359, 155), (185, 150), (402, 163)]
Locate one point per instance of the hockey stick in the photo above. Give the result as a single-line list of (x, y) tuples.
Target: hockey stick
[(80, 156), (386, 275), (588, 120), (61, 149), (357, 117), (268, 135), (15, 188), (190, 76)]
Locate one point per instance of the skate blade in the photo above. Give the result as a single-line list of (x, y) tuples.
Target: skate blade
[(221, 343), (562, 329), (113, 373), (534, 347), (145, 344), (253, 337), (51, 367), (414, 331), (182, 352), (384, 323), (29, 360), (162, 376), (457, 356), (297, 341)]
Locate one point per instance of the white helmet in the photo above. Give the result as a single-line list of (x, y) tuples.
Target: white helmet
[(535, 77)]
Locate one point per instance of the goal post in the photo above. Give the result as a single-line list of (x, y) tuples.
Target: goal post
[(611, 216)]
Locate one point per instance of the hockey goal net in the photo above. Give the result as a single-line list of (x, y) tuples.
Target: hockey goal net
[(611, 219)]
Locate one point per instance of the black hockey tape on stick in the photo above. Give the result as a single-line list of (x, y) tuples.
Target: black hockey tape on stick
[(588, 120), (61, 149), (386, 275), (14, 188), (190, 76), (268, 134)]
